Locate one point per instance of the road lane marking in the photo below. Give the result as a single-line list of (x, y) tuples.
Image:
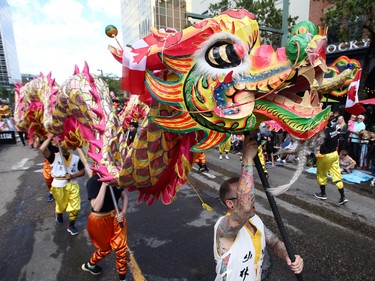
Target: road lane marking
[(205, 173), (134, 268), (20, 165)]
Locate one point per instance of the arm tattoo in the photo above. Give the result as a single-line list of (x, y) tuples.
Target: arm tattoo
[(245, 196), (229, 226), (276, 245), (246, 183)]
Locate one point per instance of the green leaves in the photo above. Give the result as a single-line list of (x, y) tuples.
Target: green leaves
[(266, 14)]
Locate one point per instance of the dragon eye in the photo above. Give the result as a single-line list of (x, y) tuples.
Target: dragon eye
[(224, 55)]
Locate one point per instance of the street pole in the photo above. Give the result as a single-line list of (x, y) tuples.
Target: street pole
[(284, 26)]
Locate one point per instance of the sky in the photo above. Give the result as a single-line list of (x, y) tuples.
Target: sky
[(55, 35)]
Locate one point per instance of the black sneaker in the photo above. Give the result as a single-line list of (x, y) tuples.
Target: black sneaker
[(72, 229), (321, 196), (59, 218), (343, 200), (122, 277), (94, 269), (50, 197)]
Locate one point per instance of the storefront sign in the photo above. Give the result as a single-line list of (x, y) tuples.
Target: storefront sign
[(8, 137), (348, 46)]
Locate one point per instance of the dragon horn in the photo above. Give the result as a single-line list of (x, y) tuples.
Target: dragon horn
[(76, 70)]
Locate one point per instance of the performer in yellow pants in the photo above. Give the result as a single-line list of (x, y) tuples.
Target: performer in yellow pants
[(67, 200), (225, 147), (261, 158), (328, 162), (65, 169)]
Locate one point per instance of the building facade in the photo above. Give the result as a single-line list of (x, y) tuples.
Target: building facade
[(354, 49), (139, 16), (9, 66)]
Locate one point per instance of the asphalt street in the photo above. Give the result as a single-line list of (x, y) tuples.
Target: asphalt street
[(174, 242)]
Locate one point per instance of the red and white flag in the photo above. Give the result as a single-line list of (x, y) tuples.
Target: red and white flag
[(134, 67), (352, 105)]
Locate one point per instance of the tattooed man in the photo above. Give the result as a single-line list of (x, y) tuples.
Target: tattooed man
[(240, 236)]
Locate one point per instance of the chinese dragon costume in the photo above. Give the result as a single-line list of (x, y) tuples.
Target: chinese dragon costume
[(201, 84)]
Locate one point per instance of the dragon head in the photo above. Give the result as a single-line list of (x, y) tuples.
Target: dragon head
[(221, 80), (34, 106)]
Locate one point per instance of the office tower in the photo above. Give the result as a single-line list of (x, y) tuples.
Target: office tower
[(9, 67)]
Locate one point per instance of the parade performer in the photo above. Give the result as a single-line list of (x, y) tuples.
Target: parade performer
[(240, 237), (201, 161), (47, 171), (65, 189), (132, 132), (104, 227), (225, 147), (327, 161), (23, 137)]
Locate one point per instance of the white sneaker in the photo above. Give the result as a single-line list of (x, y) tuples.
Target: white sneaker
[(226, 156), (283, 161), (220, 157), (278, 159)]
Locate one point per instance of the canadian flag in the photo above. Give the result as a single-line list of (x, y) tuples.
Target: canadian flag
[(352, 105), (134, 67)]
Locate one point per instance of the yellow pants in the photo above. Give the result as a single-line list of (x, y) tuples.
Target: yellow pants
[(67, 199), (329, 164), (261, 158), (225, 146)]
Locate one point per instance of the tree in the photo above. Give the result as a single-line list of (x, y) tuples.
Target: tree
[(6, 93), (114, 84), (3, 92), (266, 14), (349, 20)]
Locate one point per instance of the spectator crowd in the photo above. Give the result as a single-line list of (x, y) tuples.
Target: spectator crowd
[(355, 143)]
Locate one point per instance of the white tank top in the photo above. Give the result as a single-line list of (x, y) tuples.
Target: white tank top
[(241, 264), (58, 170)]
